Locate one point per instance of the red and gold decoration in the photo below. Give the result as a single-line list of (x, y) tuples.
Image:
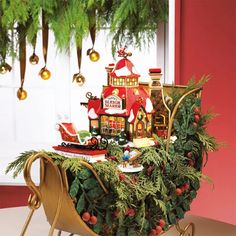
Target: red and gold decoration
[(21, 93), (91, 52), (44, 73), (34, 59), (78, 77)]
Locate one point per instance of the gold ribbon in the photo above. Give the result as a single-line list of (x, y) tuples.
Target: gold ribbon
[(45, 30), (79, 56), (92, 26), (22, 52)]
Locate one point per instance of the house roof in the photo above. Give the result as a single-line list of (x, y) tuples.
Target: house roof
[(135, 97), (124, 69)]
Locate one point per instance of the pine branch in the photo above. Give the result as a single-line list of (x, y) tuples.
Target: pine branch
[(19, 163)]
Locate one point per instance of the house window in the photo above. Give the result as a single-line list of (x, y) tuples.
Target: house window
[(112, 125)]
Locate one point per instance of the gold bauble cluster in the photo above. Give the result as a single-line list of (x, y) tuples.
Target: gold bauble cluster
[(21, 94), (44, 73)]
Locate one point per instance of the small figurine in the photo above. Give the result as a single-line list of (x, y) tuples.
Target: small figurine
[(126, 157), (122, 138)]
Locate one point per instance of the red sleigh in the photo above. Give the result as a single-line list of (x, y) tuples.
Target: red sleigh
[(69, 134), (79, 139)]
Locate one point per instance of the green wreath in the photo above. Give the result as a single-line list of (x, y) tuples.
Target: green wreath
[(148, 202)]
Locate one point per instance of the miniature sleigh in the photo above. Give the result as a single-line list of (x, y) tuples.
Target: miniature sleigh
[(72, 138), (52, 191)]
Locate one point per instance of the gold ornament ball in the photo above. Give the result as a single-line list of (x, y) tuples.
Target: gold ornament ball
[(4, 68), (94, 56), (21, 94), (79, 79), (34, 59), (45, 74)]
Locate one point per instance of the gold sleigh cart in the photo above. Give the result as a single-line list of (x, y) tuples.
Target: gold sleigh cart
[(52, 192)]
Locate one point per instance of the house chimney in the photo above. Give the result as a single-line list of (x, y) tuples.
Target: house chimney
[(109, 69), (155, 75)]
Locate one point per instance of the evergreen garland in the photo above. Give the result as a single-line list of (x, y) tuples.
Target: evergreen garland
[(129, 21), (152, 200)]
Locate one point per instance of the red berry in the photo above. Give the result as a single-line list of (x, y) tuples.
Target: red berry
[(93, 220), (191, 163), (189, 154), (162, 223), (131, 212), (116, 213), (196, 118), (86, 216), (122, 177), (195, 124), (153, 232), (186, 186), (158, 229), (197, 110), (178, 191)]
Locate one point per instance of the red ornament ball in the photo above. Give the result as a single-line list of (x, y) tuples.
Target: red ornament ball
[(86, 216)]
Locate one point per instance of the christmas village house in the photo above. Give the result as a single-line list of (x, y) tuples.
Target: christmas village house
[(126, 105)]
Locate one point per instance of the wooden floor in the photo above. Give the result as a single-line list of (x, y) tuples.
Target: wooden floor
[(12, 220)]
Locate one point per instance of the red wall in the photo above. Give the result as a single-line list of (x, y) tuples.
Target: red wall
[(206, 44)]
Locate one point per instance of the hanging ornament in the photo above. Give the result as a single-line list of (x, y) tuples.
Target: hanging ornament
[(78, 77), (21, 94), (34, 59), (44, 73), (4, 68), (93, 55)]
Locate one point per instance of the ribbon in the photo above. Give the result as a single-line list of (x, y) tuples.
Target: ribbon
[(92, 26), (79, 56), (45, 37), (22, 52)]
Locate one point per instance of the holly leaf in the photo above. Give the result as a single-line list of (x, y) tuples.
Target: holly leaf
[(121, 231), (74, 188), (180, 212), (108, 218), (193, 194), (81, 204), (131, 231), (98, 227), (84, 174), (172, 218), (94, 193), (185, 206), (90, 183)]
